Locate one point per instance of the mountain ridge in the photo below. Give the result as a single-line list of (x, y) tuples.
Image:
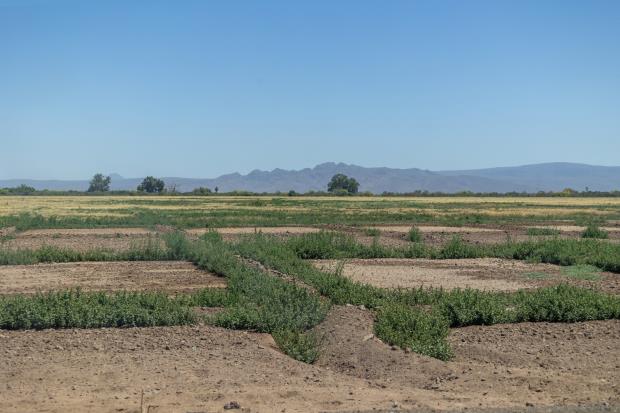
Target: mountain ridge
[(552, 176)]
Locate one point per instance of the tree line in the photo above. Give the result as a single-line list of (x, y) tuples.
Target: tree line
[(339, 184)]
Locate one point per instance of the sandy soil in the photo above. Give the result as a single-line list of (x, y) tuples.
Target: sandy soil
[(483, 274), (202, 368), (437, 236), (252, 230), (573, 228), (170, 276), (118, 239), (492, 274), (126, 232), (395, 235), (430, 228)]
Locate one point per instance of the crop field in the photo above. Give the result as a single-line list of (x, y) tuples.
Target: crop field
[(304, 304)]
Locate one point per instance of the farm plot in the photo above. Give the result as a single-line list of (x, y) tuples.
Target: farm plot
[(191, 363), (168, 276), (486, 274), (394, 235), (203, 368), (118, 239)]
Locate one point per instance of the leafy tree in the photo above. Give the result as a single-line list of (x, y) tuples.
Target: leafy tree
[(217, 189), (341, 183), (99, 183), (202, 190), (151, 185)]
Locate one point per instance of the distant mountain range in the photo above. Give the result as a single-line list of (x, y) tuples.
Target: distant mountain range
[(527, 178)]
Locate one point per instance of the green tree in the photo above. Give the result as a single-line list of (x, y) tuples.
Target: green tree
[(151, 185), (341, 183), (201, 190), (99, 183)]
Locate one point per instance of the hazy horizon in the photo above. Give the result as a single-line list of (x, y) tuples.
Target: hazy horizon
[(197, 89), (89, 176)]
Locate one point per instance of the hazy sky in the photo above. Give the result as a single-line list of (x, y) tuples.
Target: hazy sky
[(201, 88)]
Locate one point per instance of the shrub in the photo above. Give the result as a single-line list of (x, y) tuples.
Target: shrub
[(420, 331), (372, 232), (300, 346), (76, 309), (414, 235), (593, 231)]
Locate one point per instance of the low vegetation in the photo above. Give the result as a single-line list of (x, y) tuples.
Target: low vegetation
[(593, 231), (149, 250), (372, 232), (415, 319), (565, 252), (542, 231), (414, 235), (419, 319)]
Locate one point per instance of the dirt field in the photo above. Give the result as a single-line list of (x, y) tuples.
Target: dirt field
[(395, 235), (491, 274), (202, 368), (118, 239), (169, 276)]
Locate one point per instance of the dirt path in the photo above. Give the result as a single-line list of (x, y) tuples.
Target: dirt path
[(169, 276)]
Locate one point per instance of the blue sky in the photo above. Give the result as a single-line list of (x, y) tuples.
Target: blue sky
[(202, 88)]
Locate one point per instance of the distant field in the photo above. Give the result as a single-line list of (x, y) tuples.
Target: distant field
[(194, 211)]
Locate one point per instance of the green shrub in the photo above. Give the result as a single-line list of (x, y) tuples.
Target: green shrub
[(414, 235), (457, 248), (372, 232), (420, 331), (582, 272), (474, 307), (593, 231), (76, 309), (565, 303), (300, 346)]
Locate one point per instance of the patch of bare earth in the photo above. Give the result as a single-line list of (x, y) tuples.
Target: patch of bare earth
[(179, 369), (484, 274), (118, 239), (490, 274), (252, 230), (169, 276), (203, 368), (541, 364), (537, 363)]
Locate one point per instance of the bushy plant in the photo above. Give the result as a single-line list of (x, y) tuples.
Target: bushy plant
[(418, 330), (414, 234), (593, 231)]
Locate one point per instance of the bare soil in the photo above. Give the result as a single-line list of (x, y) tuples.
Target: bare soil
[(491, 274), (169, 276), (396, 235), (203, 368), (118, 239), (252, 230), (76, 232), (434, 229)]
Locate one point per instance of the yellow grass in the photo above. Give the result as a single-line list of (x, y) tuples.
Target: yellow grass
[(123, 205)]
